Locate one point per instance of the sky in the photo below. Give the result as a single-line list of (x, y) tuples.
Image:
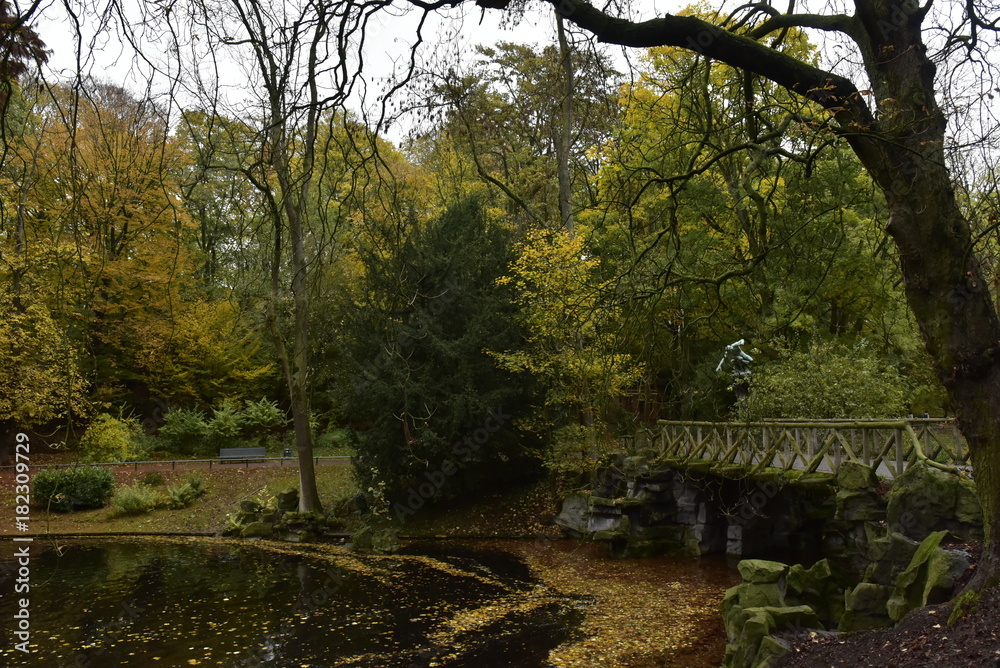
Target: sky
[(449, 37)]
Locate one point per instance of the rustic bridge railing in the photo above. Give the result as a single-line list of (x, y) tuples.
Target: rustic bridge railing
[(888, 446)]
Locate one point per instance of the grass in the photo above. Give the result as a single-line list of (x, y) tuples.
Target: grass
[(226, 486)]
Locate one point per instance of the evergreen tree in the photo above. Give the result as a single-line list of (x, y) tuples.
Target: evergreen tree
[(437, 415)]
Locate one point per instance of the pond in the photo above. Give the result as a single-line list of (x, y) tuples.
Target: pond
[(181, 602)]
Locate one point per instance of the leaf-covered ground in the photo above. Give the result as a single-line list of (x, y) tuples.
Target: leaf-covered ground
[(226, 484)]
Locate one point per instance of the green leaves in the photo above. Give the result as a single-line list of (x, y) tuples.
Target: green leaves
[(420, 382), (828, 380), (71, 489), (38, 364)]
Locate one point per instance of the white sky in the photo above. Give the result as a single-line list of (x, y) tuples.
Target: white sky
[(446, 33), (448, 36)]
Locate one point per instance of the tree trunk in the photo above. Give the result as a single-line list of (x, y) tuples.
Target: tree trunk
[(565, 143), (299, 381), (952, 306)]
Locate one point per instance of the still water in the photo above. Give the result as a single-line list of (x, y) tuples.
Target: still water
[(146, 602)]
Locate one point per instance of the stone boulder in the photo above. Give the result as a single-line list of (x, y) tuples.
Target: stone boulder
[(362, 539), (385, 541), (257, 530), (819, 587), (865, 608), (575, 514), (860, 506), (288, 501), (855, 477), (755, 609), (888, 556), (759, 571), (929, 579), (925, 499)]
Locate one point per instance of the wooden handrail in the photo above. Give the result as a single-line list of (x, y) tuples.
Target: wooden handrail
[(888, 445)]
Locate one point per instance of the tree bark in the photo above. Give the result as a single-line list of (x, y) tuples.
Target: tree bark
[(565, 143)]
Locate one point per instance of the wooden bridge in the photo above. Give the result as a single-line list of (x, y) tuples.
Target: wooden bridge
[(888, 446)]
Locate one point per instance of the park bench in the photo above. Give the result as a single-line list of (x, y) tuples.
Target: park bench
[(233, 454)]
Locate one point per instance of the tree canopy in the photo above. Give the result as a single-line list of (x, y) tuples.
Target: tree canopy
[(736, 181)]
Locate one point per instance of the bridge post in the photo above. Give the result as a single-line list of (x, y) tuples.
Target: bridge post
[(838, 449), (900, 460)]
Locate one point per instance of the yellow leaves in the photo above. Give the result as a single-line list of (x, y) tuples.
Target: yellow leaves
[(571, 344), (201, 354), (38, 365)]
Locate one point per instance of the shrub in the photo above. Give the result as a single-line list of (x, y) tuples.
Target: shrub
[(110, 439), (135, 500), (183, 431), (70, 489), (338, 441), (225, 426), (262, 415), (181, 496), (828, 381)]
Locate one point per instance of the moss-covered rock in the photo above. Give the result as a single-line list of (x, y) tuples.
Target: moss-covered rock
[(860, 506), (924, 500), (771, 653), (288, 500), (257, 530), (362, 539), (748, 642), (385, 541), (865, 608), (820, 587), (250, 506), (787, 617), (928, 579), (855, 476), (756, 608), (889, 556), (759, 571)]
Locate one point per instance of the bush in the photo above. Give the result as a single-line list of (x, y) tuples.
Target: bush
[(337, 441), (183, 431), (70, 489), (225, 426), (153, 479), (181, 496), (828, 381), (110, 439), (135, 500), (262, 414)]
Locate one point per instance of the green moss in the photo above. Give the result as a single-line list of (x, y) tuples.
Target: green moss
[(966, 604)]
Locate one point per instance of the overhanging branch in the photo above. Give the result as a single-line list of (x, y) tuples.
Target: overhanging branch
[(834, 92)]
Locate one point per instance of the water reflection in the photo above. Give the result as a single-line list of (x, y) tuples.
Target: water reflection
[(141, 602)]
